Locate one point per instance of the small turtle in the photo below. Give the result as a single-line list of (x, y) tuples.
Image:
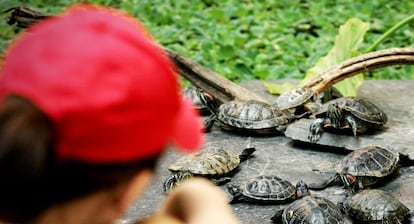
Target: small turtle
[(374, 206), (191, 93), (215, 163), (347, 113), (294, 98), (305, 99), (309, 209), (363, 167), (250, 116), (263, 189), (24, 17)]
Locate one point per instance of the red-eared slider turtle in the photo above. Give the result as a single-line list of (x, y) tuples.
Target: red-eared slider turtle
[(263, 189), (375, 206), (363, 167), (347, 113), (250, 116), (309, 209), (191, 93), (215, 163)]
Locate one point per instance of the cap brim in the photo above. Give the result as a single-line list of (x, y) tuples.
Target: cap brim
[(188, 134)]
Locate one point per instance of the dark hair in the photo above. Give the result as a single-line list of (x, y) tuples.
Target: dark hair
[(31, 177)]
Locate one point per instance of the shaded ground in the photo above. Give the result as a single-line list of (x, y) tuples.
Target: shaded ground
[(295, 160)]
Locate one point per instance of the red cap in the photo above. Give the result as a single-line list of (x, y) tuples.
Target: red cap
[(107, 87)]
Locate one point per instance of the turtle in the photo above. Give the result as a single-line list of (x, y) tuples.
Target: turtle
[(362, 168), (294, 98), (214, 163), (374, 206), (24, 17), (267, 189), (306, 99), (191, 93), (251, 116), (350, 112), (309, 209)]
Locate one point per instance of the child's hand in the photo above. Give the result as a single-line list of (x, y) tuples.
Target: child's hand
[(198, 201)]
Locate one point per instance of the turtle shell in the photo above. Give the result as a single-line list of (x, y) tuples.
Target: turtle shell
[(252, 115), (266, 189), (375, 206), (360, 108), (369, 161), (312, 209), (294, 98), (209, 162)]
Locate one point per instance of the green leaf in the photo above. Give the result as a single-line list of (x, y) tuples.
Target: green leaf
[(346, 45), (275, 88)]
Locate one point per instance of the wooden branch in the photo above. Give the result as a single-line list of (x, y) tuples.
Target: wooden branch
[(359, 64), (220, 87)]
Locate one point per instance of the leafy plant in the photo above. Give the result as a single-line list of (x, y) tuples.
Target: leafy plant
[(346, 45), (245, 40)]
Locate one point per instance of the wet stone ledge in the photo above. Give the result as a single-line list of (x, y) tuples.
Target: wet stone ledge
[(295, 159)]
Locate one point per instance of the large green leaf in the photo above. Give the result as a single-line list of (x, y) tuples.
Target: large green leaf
[(347, 42)]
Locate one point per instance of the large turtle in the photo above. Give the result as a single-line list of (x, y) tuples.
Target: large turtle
[(363, 167), (353, 113), (263, 189), (215, 163), (250, 116), (309, 209), (374, 206)]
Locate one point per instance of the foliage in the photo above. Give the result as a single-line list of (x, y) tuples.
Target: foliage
[(251, 39)]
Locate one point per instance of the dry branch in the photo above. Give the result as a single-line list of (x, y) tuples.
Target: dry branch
[(359, 64), (206, 79)]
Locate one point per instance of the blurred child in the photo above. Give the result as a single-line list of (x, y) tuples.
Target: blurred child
[(88, 104)]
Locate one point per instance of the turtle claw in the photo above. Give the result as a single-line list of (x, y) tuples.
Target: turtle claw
[(315, 130)]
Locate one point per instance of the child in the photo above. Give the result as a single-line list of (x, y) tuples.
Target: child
[(88, 102)]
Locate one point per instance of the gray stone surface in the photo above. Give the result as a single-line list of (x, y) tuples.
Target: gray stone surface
[(295, 160), (395, 98)]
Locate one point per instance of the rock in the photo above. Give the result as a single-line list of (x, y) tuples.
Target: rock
[(299, 160)]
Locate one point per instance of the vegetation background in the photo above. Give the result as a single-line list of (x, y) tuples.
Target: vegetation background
[(252, 39)]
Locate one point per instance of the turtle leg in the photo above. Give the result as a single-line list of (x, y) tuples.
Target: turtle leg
[(278, 217), (316, 129), (220, 180), (352, 123)]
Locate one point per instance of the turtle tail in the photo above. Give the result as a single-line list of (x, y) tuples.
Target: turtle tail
[(246, 153)]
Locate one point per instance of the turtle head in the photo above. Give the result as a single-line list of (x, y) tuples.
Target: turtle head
[(207, 100), (334, 113), (175, 180), (350, 182), (235, 192), (302, 189)]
